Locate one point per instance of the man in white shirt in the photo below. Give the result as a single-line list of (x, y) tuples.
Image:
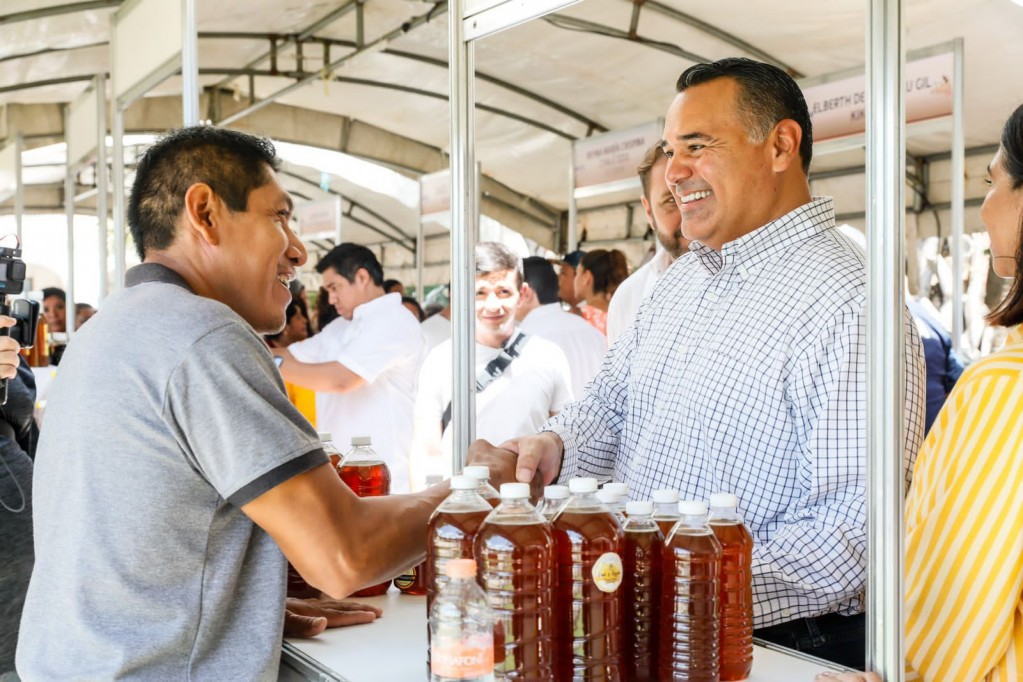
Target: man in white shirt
[(540, 313), (365, 368), (665, 220), (533, 386)]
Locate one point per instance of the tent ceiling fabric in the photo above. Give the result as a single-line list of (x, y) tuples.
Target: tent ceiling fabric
[(577, 60)]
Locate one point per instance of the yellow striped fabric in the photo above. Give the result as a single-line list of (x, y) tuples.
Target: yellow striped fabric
[(964, 530)]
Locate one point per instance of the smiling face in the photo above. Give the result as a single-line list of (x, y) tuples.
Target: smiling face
[(724, 184), (55, 313), (497, 299), (1002, 214), (258, 254), (662, 212)]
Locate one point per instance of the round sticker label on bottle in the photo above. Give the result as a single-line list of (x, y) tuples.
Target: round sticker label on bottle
[(607, 572)]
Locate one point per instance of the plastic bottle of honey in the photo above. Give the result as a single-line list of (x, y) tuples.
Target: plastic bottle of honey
[(452, 529), (641, 590), (589, 601), (515, 557), (690, 624), (367, 475), (297, 586), (554, 498), (482, 474), (736, 587), (665, 509)]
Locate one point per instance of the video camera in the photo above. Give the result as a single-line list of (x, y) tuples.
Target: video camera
[(25, 312)]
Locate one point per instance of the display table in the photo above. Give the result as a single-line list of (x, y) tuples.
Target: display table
[(393, 649)]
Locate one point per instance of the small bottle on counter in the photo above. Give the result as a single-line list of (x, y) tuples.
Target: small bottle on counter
[(461, 628)]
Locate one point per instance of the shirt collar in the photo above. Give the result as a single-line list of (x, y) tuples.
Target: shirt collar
[(796, 226), (367, 308), (660, 262), (154, 272)]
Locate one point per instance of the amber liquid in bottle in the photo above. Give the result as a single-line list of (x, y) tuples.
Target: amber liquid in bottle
[(589, 620), (736, 595), (516, 572), (690, 630), (412, 581), (367, 479), (641, 591), (449, 536)]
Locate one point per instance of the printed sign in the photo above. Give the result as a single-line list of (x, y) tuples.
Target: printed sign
[(613, 156), (435, 193), (838, 108), (318, 218)]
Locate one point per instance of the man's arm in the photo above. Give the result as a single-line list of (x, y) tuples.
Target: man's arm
[(325, 377)]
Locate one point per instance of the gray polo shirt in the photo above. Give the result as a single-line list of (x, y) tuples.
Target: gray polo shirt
[(167, 415)]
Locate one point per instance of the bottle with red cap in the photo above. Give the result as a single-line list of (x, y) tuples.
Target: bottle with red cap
[(690, 623), (736, 587), (589, 603), (515, 553)]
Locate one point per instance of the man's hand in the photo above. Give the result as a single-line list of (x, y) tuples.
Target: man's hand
[(541, 454), (310, 617), (9, 349), (847, 677), (500, 460)]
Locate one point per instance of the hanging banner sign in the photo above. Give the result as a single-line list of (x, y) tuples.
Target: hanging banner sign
[(838, 108), (613, 156), (435, 193), (318, 219)]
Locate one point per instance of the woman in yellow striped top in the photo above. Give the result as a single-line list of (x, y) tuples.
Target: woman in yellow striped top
[(964, 512)]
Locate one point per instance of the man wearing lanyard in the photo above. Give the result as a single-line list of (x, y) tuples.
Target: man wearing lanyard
[(745, 370)]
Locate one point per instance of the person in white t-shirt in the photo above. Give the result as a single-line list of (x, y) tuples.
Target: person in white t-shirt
[(532, 387), (663, 216), (540, 313), (363, 366)]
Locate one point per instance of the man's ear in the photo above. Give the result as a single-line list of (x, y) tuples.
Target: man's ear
[(203, 212), (785, 141), (649, 214), (362, 277)]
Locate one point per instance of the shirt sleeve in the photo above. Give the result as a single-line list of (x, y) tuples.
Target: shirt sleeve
[(964, 535), (227, 404), (430, 402), (591, 427), (371, 348), (817, 556)]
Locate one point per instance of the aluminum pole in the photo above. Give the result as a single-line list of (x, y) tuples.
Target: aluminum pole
[(19, 187), (885, 344), (958, 195), (338, 219), (573, 209), (189, 64), (69, 212), (463, 238), (117, 132), (420, 246), (102, 183)]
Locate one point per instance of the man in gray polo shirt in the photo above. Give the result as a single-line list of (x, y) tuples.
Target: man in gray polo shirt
[(172, 466)]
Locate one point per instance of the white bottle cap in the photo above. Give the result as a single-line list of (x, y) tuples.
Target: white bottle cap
[(665, 496), (639, 508), (608, 496), (358, 441), (324, 436), (692, 508), (464, 483), (578, 486), (514, 491), (622, 489), (724, 500), (477, 471), (556, 492)]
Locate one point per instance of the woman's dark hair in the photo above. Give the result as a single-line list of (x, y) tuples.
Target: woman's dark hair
[(609, 269), (408, 300), (1009, 312), (293, 308), (325, 312)]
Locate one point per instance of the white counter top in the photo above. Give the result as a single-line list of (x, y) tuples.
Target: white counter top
[(393, 649)]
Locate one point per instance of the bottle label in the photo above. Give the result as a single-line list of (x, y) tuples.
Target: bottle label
[(406, 580), (462, 659), (607, 572)]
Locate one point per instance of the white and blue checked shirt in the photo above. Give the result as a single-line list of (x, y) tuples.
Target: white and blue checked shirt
[(745, 372)]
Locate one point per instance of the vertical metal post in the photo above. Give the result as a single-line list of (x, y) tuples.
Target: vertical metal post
[(958, 195), (463, 212), (117, 132), (885, 342), (19, 187), (102, 182), (338, 219), (420, 247), (573, 212), (189, 65), (69, 211)]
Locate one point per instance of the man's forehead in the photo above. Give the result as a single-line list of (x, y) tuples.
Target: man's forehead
[(496, 277)]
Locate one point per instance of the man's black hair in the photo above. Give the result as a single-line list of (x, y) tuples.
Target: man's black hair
[(54, 291), (767, 95), (346, 260), (231, 163), (541, 278)]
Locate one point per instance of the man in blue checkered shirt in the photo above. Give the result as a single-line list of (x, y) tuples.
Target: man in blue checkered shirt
[(745, 369)]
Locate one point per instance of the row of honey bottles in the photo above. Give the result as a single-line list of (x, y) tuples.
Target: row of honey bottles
[(581, 589)]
